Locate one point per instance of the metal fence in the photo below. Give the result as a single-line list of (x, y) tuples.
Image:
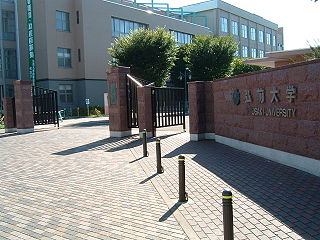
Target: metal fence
[(45, 106), (132, 96), (168, 107)]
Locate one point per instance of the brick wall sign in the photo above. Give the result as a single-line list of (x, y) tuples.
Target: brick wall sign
[(274, 95), (276, 108)]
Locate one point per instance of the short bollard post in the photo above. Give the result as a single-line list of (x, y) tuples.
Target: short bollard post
[(183, 196), (158, 151), (227, 214), (145, 150)]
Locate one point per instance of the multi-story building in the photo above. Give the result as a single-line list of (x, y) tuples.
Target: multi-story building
[(9, 50), (255, 35), (71, 39)]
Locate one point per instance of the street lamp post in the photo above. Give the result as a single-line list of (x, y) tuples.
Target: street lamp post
[(186, 75)]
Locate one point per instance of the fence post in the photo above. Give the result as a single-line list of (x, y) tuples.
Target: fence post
[(183, 196), (9, 115), (24, 106), (158, 152), (227, 214), (145, 110), (118, 102)]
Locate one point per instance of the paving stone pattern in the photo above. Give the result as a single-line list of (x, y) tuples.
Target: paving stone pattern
[(77, 184), (271, 201)]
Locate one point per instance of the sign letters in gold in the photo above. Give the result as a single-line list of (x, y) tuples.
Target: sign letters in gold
[(273, 112)]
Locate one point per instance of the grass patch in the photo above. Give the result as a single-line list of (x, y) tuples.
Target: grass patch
[(1, 126)]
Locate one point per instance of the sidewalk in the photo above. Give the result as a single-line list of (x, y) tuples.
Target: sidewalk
[(76, 183), (271, 201)]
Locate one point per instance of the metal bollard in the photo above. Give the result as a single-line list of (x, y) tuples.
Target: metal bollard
[(158, 151), (145, 150), (227, 214), (183, 196)]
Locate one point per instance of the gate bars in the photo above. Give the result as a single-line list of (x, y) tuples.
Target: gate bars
[(45, 106), (168, 107), (132, 97)]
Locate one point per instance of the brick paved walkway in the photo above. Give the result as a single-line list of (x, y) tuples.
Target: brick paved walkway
[(76, 183), (271, 201)]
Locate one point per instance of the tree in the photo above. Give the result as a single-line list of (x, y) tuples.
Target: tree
[(149, 53), (239, 67), (211, 57), (181, 63), (315, 51)]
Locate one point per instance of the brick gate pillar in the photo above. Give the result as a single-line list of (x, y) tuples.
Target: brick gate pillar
[(145, 111), (118, 104), (9, 115), (201, 118), (24, 106)]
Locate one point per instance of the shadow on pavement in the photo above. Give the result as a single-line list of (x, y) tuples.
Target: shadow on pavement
[(170, 212), (110, 145), (291, 195), (148, 178), (87, 124)]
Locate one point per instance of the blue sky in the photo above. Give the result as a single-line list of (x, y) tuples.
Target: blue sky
[(300, 18)]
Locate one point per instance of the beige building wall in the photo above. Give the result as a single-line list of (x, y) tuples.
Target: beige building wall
[(93, 35), (215, 9)]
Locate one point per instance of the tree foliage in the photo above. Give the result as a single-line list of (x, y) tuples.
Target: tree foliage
[(239, 67), (211, 57), (149, 53), (180, 64), (315, 51)]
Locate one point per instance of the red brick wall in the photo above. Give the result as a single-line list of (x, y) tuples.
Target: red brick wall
[(299, 135)]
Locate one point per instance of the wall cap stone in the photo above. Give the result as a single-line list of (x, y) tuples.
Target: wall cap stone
[(269, 70)]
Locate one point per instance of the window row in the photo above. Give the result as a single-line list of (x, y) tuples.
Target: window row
[(181, 38), (122, 28), (9, 63), (8, 25), (244, 32), (254, 52)]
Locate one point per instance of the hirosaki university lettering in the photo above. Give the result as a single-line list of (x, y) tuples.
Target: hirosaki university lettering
[(274, 97)]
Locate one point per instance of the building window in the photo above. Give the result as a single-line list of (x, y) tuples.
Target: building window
[(9, 63), (274, 41), (253, 34), (244, 51), (122, 28), (261, 53), (253, 52), (64, 57), (234, 28), (65, 94), (244, 31), (182, 38), (268, 38), (224, 24), (237, 53), (62, 21), (261, 36), (8, 25)]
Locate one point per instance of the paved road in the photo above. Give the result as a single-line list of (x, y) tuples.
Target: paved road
[(76, 183)]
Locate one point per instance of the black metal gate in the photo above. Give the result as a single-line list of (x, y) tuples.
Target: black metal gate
[(168, 107), (132, 96), (45, 106)]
